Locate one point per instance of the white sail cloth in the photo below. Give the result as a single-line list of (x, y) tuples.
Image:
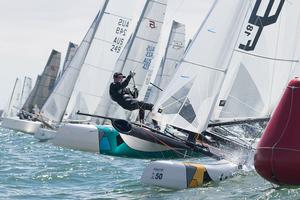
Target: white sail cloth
[(262, 62), (110, 37), (138, 56), (94, 59), (187, 102), (168, 66)]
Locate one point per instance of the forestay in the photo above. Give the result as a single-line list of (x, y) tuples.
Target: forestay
[(173, 53), (262, 61), (187, 101), (108, 42), (139, 55)]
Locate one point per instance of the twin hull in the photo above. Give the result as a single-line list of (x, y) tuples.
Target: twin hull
[(104, 139)]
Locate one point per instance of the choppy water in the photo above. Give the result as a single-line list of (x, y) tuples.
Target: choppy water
[(33, 170)]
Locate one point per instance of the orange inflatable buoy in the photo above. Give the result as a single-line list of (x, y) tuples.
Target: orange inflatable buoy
[(277, 157)]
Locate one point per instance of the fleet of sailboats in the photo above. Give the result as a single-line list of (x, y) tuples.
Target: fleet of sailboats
[(235, 69)]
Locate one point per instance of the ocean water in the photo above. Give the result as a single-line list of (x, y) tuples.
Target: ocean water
[(33, 170)]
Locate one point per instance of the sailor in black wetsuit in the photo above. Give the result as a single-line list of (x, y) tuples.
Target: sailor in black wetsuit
[(124, 97)]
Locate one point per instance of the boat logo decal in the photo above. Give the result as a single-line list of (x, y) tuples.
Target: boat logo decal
[(258, 23), (152, 24)]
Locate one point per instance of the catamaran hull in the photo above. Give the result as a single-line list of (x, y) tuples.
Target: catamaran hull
[(43, 134), (24, 126), (77, 136), (106, 140), (177, 175)]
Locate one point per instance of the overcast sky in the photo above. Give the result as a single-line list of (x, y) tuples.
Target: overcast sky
[(30, 29)]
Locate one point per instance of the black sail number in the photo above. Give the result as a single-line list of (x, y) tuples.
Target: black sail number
[(260, 22)]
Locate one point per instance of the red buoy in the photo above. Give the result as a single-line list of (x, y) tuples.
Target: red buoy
[(277, 157)]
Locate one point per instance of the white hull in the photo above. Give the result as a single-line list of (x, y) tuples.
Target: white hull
[(25, 126), (43, 134), (177, 175), (77, 136)]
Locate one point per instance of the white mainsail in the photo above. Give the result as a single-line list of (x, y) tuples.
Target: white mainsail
[(26, 89), (262, 62), (56, 104), (70, 54), (173, 53), (72, 47), (14, 100), (138, 55), (108, 42), (187, 101)]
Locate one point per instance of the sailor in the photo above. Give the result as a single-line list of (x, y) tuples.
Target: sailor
[(119, 93)]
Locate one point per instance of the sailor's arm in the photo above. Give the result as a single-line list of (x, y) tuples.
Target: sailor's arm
[(125, 83)]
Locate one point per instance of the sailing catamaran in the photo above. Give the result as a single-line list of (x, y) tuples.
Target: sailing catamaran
[(41, 91), (261, 61), (143, 40)]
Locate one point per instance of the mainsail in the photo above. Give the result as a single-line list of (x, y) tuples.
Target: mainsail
[(187, 101), (70, 54), (173, 53), (45, 83), (111, 35), (139, 54), (72, 47), (56, 104), (14, 100), (262, 62), (26, 89)]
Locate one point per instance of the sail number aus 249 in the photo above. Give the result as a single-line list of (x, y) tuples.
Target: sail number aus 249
[(259, 22), (120, 31)]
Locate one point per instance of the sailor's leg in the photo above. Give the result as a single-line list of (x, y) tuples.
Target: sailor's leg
[(145, 106), (141, 115)]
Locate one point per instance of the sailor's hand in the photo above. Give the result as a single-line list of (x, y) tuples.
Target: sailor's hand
[(132, 73)]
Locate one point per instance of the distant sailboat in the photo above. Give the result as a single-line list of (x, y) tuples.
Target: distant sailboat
[(19, 95), (42, 89), (45, 83)]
